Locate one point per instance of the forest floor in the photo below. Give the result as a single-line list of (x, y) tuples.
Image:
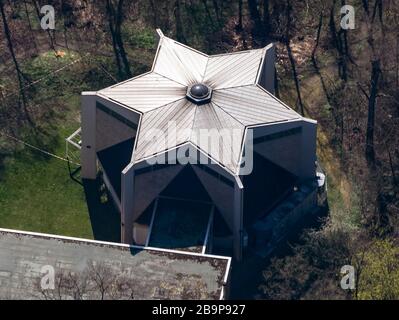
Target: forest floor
[(342, 197)]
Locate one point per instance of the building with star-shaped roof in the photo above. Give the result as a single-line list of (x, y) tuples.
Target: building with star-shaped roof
[(198, 154)]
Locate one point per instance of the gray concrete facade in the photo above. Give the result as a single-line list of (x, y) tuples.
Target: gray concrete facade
[(88, 123)]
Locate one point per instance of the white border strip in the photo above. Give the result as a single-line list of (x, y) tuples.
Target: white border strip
[(115, 244)]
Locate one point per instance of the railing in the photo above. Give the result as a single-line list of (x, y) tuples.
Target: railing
[(73, 146)]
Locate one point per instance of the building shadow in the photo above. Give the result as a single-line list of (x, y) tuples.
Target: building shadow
[(104, 217)]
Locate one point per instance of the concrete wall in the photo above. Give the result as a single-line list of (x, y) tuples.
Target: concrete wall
[(221, 194), (110, 131), (139, 190), (309, 145), (150, 184), (294, 152), (88, 123), (127, 204), (267, 75), (100, 130), (284, 151), (229, 201)]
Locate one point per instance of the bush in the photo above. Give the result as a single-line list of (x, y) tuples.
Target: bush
[(379, 272), (141, 38), (312, 271)]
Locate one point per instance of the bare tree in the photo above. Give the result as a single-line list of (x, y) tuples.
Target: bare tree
[(179, 24), (258, 31), (378, 6), (365, 4), (375, 75), (266, 19), (49, 33), (337, 41), (30, 26), (114, 10), (218, 11), (317, 38), (239, 25), (20, 74), (291, 57), (96, 281)]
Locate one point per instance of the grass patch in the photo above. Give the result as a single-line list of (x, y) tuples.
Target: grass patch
[(37, 194)]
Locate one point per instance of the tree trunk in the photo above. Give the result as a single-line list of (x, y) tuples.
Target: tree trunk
[(30, 27), (20, 75), (239, 27), (317, 38), (266, 19), (276, 84), (378, 7), (115, 17), (365, 4), (345, 46), (119, 41), (257, 29), (397, 62), (179, 24), (154, 13), (52, 41), (110, 13), (375, 74), (217, 12), (291, 57), (342, 67), (394, 180), (208, 13)]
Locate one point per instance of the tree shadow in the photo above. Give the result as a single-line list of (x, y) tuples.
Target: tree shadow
[(105, 218)]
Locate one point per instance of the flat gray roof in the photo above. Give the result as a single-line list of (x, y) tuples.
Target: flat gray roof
[(146, 273)]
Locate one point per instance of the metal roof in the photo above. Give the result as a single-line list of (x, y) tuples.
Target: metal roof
[(233, 69), (237, 102), (146, 92)]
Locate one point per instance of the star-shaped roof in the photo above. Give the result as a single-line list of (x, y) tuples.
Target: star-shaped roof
[(237, 103)]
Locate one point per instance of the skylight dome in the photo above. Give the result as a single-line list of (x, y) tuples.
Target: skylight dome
[(199, 93)]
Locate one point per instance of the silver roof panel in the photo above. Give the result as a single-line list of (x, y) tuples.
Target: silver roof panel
[(237, 101)]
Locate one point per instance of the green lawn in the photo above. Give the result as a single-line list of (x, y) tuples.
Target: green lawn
[(37, 194)]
